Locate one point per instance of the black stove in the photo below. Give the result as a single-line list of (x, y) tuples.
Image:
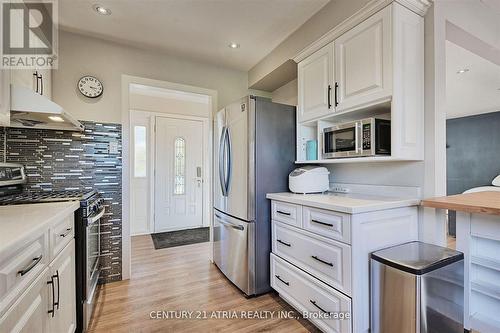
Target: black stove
[(87, 231)]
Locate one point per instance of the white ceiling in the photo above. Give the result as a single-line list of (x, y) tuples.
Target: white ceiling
[(476, 91), (197, 29)]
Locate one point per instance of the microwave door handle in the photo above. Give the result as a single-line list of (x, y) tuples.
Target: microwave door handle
[(359, 137)]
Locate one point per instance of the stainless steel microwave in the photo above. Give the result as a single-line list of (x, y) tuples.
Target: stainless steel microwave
[(367, 137)]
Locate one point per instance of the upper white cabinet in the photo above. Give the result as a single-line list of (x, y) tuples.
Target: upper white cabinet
[(4, 97), (315, 83), (39, 80), (371, 68), (363, 60)]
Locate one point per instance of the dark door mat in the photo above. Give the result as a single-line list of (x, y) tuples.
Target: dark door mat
[(163, 240)]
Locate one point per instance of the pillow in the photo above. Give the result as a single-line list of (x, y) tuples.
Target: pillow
[(496, 181)]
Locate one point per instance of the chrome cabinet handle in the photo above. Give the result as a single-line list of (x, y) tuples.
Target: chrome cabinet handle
[(53, 310), (322, 223), (283, 213), (336, 93), (58, 289), (281, 242), (30, 266), (329, 98), (68, 231), (279, 278), (322, 261), (319, 307)]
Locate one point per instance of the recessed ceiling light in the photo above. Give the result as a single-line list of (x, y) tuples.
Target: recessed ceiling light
[(101, 10), (234, 45), (463, 70), (57, 119)]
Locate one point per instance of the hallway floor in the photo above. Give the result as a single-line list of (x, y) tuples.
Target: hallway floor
[(182, 278)]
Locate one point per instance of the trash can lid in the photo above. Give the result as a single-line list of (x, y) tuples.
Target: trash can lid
[(417, 257)]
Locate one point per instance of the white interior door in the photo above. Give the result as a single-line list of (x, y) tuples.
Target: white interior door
[(178, 175)]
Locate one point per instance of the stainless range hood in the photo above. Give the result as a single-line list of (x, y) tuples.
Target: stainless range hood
[(32, 110)]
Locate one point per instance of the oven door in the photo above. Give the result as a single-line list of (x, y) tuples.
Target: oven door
[(93, 253), (342, 140)]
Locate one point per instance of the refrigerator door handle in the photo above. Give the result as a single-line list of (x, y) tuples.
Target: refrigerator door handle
[(229, 161), (222, 162)]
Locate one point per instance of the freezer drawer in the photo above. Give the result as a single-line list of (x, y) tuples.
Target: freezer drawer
[(234, 250)]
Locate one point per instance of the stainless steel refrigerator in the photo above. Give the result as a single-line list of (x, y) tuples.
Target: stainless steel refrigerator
[(254, 142)]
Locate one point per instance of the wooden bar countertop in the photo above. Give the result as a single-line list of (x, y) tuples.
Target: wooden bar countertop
[(487, 202)]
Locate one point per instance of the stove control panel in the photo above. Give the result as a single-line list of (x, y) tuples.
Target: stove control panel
[(11, 174)]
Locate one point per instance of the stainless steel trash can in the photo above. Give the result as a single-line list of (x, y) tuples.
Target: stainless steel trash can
[(417, 287)]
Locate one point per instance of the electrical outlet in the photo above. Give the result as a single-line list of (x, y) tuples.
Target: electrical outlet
[(340, 189)]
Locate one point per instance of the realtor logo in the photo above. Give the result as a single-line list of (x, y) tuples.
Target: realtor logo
[(29, 34)]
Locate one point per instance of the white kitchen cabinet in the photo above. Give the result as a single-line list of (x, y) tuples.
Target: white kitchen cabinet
[(315, 84), (39, 80), (4, 97), (333, 253), (378, 72), (363, 63), (62, 275), (29, 313)]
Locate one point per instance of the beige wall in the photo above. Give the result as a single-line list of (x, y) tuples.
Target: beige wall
[(320, 23), (169, 105), (286, 94), (80, 55)]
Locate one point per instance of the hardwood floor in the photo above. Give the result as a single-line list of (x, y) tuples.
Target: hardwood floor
[(182, 278)]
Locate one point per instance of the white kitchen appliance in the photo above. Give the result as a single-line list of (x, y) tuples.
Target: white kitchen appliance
[(309, 179)]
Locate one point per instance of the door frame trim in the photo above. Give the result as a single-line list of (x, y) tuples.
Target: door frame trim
[(126, 81), (206, 212)]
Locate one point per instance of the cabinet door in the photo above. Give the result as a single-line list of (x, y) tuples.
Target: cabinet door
[(4, 97), (363, 63), (45, 82), (29, 313), (315, 76), (62, 270)]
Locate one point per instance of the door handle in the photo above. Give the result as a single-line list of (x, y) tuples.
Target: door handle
[(51, 283), (336, 93), (228, 224), (221, 161), (319, 307), (329, 92), (229, 161), (281, 242), (322, 223), (279, 278), (30, 266), (322, 261), (41, 84), (35, 74), (58, 289)]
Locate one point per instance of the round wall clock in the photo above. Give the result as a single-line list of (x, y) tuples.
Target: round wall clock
[(90, 86)]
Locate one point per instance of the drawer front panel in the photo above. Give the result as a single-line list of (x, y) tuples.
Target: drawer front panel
[(287, 213), (327, 223), (306, 293), (20, 268), (326, 259), (61, 233)]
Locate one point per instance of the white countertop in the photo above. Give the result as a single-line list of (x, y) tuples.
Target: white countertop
[(350, 203), (19, 222)]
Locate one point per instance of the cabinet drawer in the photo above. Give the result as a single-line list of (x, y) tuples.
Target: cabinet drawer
[(327, 223), (61, 233), (286, 213), (306, 293), (20, 267), (326, 259), (29, 312)]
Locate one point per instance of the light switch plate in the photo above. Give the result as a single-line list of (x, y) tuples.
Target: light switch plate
[(113, 147)]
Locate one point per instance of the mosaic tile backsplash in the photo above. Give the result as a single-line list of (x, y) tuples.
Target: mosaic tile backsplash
[(63, 160)]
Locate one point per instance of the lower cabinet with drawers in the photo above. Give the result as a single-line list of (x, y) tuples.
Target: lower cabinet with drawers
[(37, 282), (320, 259)]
